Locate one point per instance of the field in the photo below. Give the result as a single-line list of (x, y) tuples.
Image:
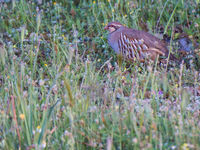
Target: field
[(63, 87)]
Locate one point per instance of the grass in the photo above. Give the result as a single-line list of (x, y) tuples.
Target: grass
[(62, 88)]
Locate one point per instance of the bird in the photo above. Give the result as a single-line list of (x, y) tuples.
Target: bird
[(135, 44)]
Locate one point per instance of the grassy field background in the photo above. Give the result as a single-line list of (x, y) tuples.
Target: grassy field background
[(62, 88)]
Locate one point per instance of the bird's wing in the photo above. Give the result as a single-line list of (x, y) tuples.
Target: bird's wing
[(153, 43)]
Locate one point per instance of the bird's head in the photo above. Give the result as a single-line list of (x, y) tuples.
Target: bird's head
[(113, 26)]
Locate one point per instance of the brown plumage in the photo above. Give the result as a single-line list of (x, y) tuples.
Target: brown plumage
[(134, 44)]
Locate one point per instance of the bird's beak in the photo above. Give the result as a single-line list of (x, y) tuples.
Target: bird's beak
[(106, 28)]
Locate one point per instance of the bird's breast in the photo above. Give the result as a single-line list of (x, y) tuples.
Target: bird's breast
[(113, 42)]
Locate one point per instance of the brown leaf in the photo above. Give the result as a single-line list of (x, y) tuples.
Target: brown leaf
[(56, 48), (15, 119), (103, 119), (73, 12)]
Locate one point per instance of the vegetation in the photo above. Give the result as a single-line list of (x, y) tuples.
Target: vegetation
[(62, 88)]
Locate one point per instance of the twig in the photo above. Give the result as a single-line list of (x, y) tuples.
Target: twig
[(104, 65)]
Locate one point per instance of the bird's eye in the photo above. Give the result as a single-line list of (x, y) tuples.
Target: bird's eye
[(111, 26)]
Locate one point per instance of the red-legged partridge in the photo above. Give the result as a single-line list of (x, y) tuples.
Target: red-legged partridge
[(134, 44)]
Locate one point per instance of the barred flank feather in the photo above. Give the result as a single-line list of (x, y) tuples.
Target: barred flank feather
[(132, 48)]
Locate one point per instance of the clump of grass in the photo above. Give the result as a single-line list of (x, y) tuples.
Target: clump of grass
[(61, 86)]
